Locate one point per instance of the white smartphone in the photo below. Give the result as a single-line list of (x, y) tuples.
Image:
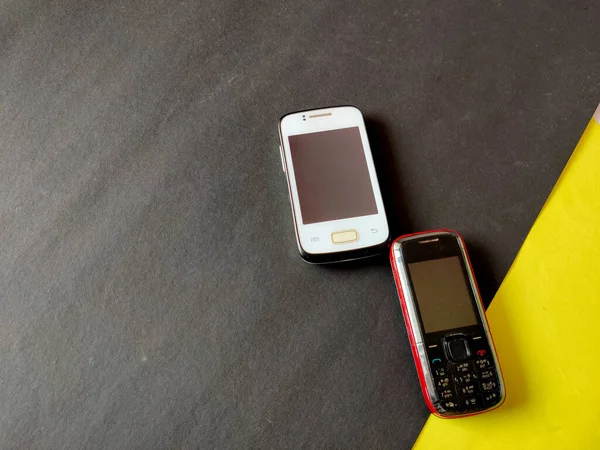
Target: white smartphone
[(336, 202)]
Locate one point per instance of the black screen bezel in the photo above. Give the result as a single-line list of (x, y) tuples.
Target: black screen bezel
[(432, 247)]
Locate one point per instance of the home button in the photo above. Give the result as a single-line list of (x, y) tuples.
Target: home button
[(342, 237)]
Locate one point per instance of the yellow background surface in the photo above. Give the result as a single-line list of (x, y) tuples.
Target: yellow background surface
[(545, 320)]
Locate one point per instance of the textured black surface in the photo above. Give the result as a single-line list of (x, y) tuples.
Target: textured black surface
[(151, 291)]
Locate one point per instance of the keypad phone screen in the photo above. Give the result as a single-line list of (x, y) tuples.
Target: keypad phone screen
[(442, 294)]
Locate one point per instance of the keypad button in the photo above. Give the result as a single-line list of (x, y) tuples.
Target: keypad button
[(488, 374), (483, 363), (461, 368), (481, 353), (465, 378), (471, 402), (489, 385), (447, 394), (491, 398), (479, 347), (468, 389), (439, 371), (450, 405), (443, 383)]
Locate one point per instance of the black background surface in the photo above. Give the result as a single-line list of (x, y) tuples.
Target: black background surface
[(151, 291)]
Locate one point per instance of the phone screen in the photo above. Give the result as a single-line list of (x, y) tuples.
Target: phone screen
[(442, 294), (332, 177)]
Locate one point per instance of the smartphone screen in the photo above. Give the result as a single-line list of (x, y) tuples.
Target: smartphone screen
[(442, 294), (332, 177)]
